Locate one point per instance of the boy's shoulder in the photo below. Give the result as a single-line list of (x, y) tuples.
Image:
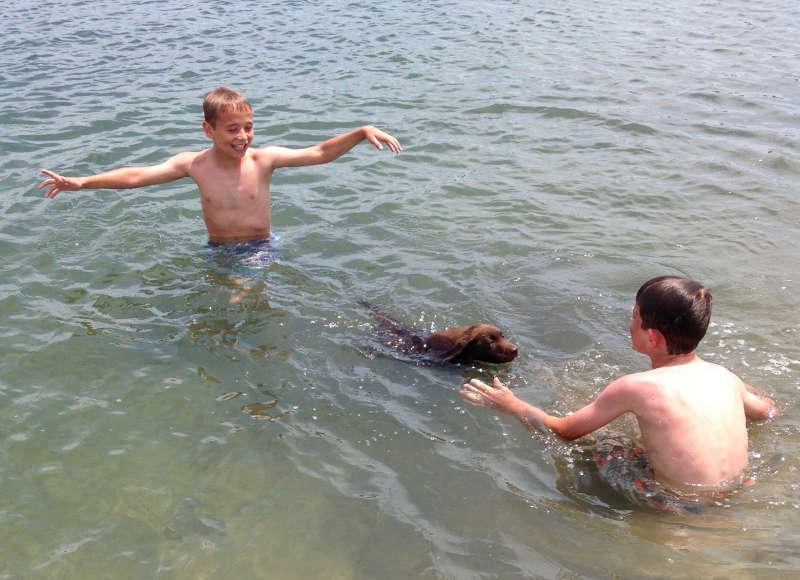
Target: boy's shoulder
[(272, 156), (267, 152), (189, 157), (262, 153), (632, 386), (651, 379), (690, 375)]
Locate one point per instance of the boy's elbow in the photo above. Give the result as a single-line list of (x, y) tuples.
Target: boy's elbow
[(320, 155), (562, 429), (763, 411), (569, 435), (128, 178), (768, 412)]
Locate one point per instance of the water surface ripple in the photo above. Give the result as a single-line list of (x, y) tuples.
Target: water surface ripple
[(555, 157)]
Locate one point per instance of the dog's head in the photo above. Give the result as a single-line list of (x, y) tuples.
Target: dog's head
[(481, 342)]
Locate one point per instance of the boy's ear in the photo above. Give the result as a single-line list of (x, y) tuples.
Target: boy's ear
[(208, 129), (656, 338)]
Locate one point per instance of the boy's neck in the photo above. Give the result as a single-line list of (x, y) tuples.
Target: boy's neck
[(226, 161), (659, 360)]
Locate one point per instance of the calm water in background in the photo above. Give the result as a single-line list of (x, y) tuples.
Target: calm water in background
[(556, 157)]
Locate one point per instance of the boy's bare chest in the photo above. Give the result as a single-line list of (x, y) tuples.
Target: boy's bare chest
[(243, 187)]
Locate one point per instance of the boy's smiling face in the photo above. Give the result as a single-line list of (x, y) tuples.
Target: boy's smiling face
[(232, 132)]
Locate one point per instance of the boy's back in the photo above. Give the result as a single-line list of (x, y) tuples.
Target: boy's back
[(692, 420)]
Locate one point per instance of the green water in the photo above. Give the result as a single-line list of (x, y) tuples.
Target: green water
[(555, 158)]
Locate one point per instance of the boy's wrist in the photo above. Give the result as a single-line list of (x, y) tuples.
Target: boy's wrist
[(532, 421), (517, 408)]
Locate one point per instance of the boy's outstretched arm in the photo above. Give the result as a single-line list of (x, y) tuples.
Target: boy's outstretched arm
[(332, 148), (609, 405), (124, 178)]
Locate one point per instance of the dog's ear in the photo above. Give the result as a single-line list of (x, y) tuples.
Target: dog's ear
[(460, 342)]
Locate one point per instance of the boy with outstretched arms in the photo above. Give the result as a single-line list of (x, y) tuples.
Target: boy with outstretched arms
[(691, 413), (232, 177)]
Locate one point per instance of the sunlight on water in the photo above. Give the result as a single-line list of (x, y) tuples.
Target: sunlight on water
[(173, 411)]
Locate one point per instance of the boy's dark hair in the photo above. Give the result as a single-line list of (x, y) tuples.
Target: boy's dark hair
[(223, 99), (678, 308)]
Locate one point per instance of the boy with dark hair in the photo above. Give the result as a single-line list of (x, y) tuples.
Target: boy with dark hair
[(678, 308), (691, 413)]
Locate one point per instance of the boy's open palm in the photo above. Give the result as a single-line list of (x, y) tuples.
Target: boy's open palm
[(498, 396), (57, 183)]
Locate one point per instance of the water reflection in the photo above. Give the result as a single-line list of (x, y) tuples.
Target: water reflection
[(140, 379)]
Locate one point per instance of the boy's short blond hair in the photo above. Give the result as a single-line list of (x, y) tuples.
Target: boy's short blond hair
[(223, 99)]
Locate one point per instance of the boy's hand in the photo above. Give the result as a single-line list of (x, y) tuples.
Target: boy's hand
[(500, 397), (497, 397), (375, 136), (57, 183)]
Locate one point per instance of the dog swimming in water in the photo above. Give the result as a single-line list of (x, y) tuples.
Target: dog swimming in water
[(479, 342)]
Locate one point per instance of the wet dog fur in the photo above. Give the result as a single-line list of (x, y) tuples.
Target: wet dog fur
[(479, 342)]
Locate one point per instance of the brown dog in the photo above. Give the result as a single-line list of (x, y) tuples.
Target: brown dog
[(481, 342)]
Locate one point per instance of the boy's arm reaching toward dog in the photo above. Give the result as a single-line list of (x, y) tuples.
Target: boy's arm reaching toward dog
[(609, 405)]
